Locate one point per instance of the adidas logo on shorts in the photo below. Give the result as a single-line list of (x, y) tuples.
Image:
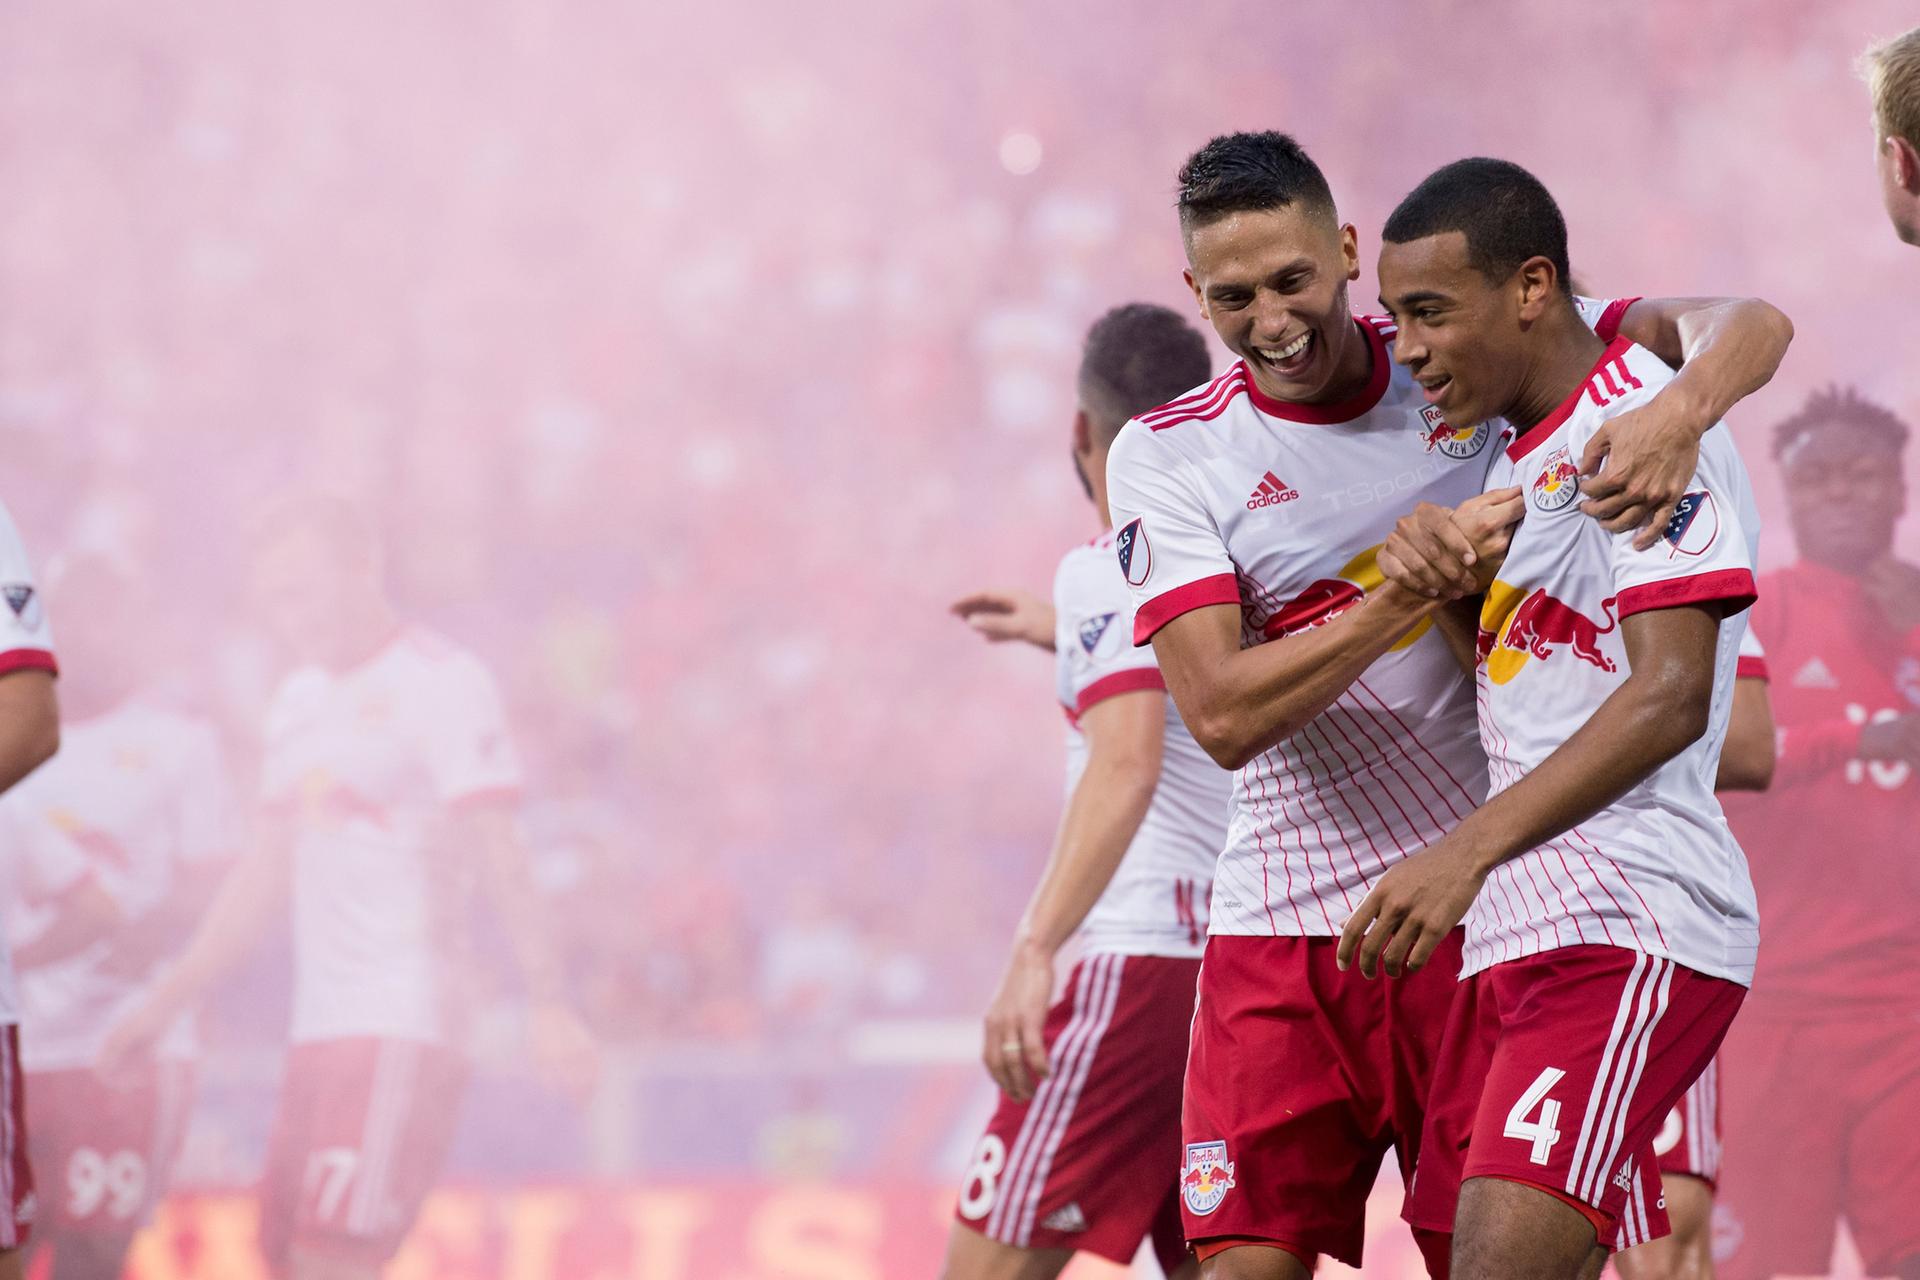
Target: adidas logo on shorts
[(1066, 1218)]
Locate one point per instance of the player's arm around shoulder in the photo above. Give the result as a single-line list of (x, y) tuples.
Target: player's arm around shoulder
[(29, 723), (1637, 465)]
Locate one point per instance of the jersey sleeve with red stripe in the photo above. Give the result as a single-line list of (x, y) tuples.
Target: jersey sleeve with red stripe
[(26, 639), (1603, 315), (1704, 554), (1172, 556), (1753, 658), (1093, 629), (471, 755)]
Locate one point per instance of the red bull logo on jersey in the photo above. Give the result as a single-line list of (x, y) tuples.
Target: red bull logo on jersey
[(1455, 442), (1205, 1177), (1136, 557), (1558, 482), (1321, 601), (1538, 626)]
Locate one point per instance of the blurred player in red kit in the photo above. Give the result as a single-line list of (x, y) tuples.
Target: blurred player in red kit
[(1822, 1090), (1084, 1151), (1610, 924), (1250, 515), (117, 845), (388, 789), (1892, 72), (29, 736), (1689, 1146)]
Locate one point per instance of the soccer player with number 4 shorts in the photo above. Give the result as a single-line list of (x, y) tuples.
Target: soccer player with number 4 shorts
[(1250, 514), (1611, 923), (1083, 1152)]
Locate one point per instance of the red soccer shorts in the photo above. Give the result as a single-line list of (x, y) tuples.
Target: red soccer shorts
[(1689, 1140), (16, 1175), (362, 1129), (105, 1151), (1090, 1163), (1823, 1122), (1299, 1080), (1558, 1070)]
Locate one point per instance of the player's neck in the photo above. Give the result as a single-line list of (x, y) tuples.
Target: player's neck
[(1355, 368), (1097, 483), (1567, 352)]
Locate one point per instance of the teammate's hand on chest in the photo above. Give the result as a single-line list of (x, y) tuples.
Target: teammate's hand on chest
[(1411, 910)]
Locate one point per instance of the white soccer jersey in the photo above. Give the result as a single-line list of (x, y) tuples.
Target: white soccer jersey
[(368, 763), (1155, 903), (134, 799), (1229, 497), (26, 643), (1658, 870), (1753, 659)]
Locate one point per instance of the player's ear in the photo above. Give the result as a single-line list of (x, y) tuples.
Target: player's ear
[(1906, 164), (1082, 433), (1199, 298), (1538, 281), (1350, 250)]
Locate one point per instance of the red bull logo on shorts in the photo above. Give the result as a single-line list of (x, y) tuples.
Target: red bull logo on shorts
[(1558, 483), (1205, 1177), (1455, 442), (1539, 626)]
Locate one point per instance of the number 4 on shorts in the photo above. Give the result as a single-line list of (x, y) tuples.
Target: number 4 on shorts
[(1541, 1133)]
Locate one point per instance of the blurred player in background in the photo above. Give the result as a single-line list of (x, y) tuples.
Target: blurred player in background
[(1084, 1151), (1250, 515), (116, 845), (388, 787), (1611, 928), (1689, 1145), (1823, 1109), (1892, 72), (29, 736)]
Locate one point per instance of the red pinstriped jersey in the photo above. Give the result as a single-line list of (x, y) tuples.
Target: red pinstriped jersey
[(1226, 496), (1657, 870), (1155, 905)]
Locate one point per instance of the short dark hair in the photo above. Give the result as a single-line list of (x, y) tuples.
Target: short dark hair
[(1138, 357), (1837, 406), (1240, 172), (1506, 214)]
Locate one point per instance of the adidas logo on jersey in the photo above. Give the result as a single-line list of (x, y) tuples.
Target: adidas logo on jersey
[(1067, 1218), (1270, 490), (1815, 675)]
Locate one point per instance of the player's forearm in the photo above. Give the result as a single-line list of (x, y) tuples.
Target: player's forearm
[(519, 906), (1747, 756), (1101, 819), (1458, 622), (1646, 722), (84, 916), (1727, 349), (29, 724), (1262, 696), (252, 896)]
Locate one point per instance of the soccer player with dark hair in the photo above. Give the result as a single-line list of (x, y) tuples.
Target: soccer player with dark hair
[(1611, 927), (1828, 1046), (1251, 512), (1891, 69), (1082, 1153)]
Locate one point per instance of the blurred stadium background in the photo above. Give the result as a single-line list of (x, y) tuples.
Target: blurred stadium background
[(692, 359)]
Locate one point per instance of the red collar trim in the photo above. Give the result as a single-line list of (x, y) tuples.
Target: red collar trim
[(1327, 415), (1537, 435)]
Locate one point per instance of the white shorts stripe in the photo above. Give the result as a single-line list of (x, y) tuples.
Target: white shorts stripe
[(1064, 1117), (1655, 1006), (1583, 1145)]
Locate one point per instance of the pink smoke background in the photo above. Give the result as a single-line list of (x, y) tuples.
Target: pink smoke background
[(693, 358)]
